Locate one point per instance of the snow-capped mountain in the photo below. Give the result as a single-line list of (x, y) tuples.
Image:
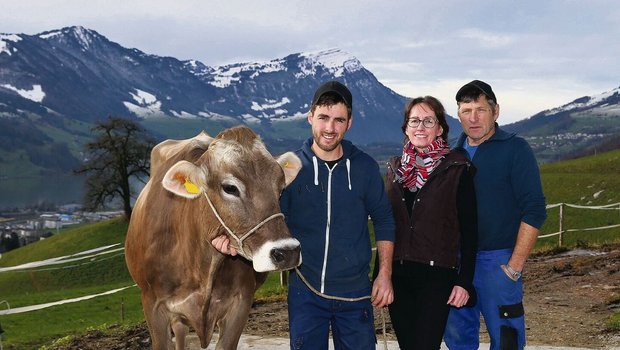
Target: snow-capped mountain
[(56, 84), (608, 101), (583, 126), (79, 74)]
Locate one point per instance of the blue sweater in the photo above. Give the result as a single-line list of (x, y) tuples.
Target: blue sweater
[(327, 211), (508, 189)]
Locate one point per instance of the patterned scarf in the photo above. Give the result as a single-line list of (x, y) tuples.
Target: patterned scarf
[(416, 166)]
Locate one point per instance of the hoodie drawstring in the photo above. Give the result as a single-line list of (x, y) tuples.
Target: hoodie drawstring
[(349, 172), (315, 163), (316, 170)]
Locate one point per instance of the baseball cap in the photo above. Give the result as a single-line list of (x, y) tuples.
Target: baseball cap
[(336, 87), (476, 86)]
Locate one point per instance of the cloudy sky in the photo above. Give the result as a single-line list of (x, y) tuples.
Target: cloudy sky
[(537, 54)]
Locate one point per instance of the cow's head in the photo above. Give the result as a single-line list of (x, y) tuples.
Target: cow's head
[(240, 183)]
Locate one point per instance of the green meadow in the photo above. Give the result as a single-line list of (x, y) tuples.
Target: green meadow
[(591, 181)]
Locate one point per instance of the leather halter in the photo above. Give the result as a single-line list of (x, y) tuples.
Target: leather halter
[(240, 240)]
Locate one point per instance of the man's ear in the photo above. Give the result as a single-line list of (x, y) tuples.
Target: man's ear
[(291, 164), (184, 179)]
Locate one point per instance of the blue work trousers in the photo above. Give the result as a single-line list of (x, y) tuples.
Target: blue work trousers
[(311, 316), (500, 300)]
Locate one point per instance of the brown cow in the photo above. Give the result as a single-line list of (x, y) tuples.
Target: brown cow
[(199, 189)]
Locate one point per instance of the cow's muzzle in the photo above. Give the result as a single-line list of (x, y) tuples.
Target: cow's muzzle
[(285, 258), (277, 255)]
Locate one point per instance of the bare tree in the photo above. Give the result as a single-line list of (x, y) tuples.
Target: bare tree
[(120, 152)]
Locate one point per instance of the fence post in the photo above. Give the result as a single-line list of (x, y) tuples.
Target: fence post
[(561, 236)]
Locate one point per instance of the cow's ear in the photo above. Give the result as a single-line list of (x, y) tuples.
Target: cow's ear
[(184, 179), (291, 164)]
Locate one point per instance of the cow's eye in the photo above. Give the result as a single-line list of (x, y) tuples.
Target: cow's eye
[(231, 189)]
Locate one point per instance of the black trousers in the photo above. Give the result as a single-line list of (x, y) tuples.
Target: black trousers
[(420, 310)]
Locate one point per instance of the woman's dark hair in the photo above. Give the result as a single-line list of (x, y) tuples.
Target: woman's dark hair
[(436, 106)]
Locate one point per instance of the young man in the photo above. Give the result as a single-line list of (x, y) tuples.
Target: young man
[(511, 210), (327, 208)]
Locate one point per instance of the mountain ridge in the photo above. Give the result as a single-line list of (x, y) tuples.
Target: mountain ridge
[(581, 127), (58, 83)]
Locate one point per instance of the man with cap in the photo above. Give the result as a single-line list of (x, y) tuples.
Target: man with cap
[(327, 208), (511, 210)]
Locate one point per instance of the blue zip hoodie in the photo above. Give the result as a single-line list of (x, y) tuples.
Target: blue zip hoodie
[(327, 211), (508, 189)]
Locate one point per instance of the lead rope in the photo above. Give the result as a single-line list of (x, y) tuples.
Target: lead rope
[(240, 249), (333, 297)]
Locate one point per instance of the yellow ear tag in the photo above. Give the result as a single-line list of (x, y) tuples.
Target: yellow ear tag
[(190, 187)]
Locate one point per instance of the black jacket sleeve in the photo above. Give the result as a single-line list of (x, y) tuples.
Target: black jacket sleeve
[(468, 222)]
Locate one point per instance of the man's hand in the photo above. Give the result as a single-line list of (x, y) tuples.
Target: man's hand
[(458, 297), (382, 291), (222, 244)]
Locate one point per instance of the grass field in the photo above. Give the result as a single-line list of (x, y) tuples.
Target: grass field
[(588, 182), (32, 329)]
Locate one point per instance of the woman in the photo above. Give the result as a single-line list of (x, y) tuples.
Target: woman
[(431, 191)]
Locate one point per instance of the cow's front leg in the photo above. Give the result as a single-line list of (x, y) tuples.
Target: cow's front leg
[(158, 321), (232, 323), (180, 331)]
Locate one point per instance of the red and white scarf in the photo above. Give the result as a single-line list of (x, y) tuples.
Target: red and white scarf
[(416, 166)]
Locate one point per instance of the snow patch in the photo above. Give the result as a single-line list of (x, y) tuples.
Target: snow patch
[(153, 110), (50, 34), (197, 68), (296, 116), (131, 60), (4, 39), (335, 61), (83, 36), (192, 64), (148, 105), (36, 94), (225, 76), (584, 102), (183, 115), (143, 97), (271, 104)]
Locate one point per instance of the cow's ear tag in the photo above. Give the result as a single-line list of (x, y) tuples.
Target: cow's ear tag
[(286, 164), (191, 187)]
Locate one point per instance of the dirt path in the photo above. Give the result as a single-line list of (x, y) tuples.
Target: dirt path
[(568, 298)]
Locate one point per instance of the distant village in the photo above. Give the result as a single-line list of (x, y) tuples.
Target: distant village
[(18, 229)]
